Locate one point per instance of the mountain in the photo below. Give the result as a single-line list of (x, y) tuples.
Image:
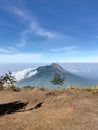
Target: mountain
[(43, 75)]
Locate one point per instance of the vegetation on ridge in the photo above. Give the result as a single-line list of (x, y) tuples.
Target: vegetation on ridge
[(8, 81)]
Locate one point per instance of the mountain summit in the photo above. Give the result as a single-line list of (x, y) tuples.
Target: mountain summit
[(45, 74), (57, 66)]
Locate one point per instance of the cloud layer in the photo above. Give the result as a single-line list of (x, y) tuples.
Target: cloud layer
[(26, 73)]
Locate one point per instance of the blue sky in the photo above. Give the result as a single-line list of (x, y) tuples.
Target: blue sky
[(48, 31)]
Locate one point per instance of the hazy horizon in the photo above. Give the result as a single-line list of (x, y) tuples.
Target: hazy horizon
[(88, 70)]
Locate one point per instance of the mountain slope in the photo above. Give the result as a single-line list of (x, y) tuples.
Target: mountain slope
[(46, 73)]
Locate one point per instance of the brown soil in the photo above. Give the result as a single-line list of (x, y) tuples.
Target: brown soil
[(39, 109)]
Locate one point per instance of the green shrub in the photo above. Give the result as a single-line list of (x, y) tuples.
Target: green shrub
[(73, 87), (1, 87), (28, 87)]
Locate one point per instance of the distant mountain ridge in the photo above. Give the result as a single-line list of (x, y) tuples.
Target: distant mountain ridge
[(45, 74)]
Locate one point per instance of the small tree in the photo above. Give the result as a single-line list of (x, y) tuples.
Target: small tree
[(1, 82), (57, 80), (7, 79)]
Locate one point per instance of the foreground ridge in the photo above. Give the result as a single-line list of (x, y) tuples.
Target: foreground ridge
[(42, 109)]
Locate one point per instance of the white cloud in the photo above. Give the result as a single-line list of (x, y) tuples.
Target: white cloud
[(32, 73), (20, 58), (23, 39), (2, 50), (38, 30), (34, 28), (17, 9), (73, 70), (20, 13), (67, 48), (82, 59), (26, 73), (8, 50), (93, 51), (34, 25)]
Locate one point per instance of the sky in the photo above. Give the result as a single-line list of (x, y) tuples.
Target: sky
[(33, 31)]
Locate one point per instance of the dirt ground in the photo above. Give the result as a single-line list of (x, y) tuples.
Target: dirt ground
[(40, 109)]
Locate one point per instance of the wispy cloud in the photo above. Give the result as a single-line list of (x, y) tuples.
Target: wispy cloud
[(23, 38), (89, 59), (11, 54), (74, 50), (8, 50), (34, 27), (65, 49), (38, 30), (22, 13), (93, 52), (20, 57)]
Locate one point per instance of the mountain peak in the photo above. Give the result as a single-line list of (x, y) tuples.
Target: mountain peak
[(44, 74), (57, 66)]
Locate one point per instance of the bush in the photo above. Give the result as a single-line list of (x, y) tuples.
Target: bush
[(1, 87), (73, 87), (88, 89), (28, 87)]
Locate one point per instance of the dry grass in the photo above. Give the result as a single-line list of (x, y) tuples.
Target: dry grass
[(63, 109)]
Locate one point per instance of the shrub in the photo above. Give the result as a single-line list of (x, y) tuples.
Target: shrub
[(1, 87), (28, 87)]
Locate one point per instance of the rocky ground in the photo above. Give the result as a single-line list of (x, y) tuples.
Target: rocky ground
[(40, 109)]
